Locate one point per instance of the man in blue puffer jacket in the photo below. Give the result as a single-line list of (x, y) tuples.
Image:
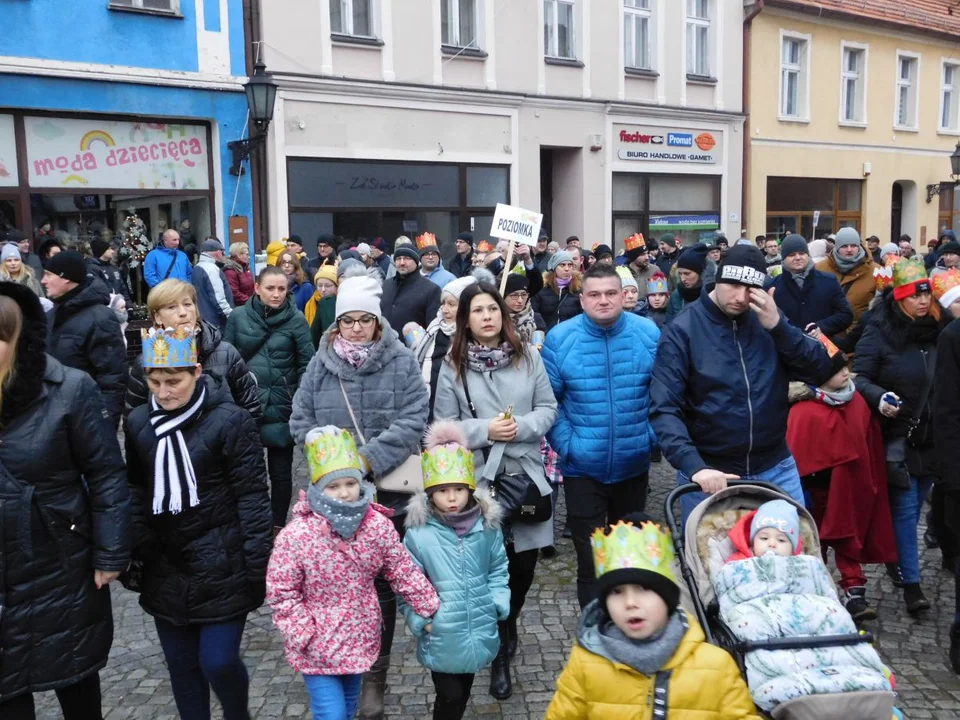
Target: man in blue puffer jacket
[(720, 384), (599, 364)]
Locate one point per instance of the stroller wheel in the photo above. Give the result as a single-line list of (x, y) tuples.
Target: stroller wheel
[(893, 572)]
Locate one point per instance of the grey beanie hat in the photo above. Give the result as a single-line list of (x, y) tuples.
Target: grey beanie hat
[(793, 243), (560, 256), (846, 236), (889, 249)]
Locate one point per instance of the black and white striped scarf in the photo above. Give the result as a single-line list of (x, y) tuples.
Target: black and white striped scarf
[(172, 470)]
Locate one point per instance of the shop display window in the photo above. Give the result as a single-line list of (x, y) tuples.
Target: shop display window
[(794, 203)]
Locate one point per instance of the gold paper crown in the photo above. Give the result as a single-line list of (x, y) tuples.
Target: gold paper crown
[(634, 242), (908, 271), (427, 240), (485, 247), (448, 465), (331, 449), (628, 547), (168, 348), (945, 281), (883, 276), (832, 350)]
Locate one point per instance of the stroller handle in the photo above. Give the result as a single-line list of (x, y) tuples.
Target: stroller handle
[(691, 487)]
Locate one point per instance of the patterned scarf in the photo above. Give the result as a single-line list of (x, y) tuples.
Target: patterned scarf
[(354, 353), (481, 358), (172, 469), (344, 517), (524, 322), (835, 398)]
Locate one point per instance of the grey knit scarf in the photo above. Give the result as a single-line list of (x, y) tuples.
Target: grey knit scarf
[(645, 656), (844, 265), (344, 517), (799, 277)]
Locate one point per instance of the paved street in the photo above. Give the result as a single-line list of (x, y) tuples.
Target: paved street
[(135, 683)]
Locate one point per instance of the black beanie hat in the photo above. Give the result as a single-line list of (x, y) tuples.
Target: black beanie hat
[(793, 243), (407, 251), (326, 239), (98, 247), (694, 258), (515, 282), (951, 246), (466, 236), (69, 265), (602, 251), (743, 265)]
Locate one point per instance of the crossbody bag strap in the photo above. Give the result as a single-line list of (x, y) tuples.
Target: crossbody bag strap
[(473, 410), (353, 418), (927, 387), (170, 269)]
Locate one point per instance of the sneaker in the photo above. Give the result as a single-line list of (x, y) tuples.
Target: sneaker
[(893, 572), (914, 599), (857, 605)]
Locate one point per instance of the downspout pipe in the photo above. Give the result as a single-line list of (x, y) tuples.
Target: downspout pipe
[(745, 102)]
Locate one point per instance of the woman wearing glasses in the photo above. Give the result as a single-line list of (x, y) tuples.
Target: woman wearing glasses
[(361, 360)]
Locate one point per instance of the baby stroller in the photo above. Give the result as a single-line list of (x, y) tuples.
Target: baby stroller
[(715, 517)]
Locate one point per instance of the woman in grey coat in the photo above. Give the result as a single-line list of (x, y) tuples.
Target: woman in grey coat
[(500, 372), (363, 357)]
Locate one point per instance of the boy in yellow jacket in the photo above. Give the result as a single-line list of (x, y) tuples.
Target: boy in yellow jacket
[(638, 655)]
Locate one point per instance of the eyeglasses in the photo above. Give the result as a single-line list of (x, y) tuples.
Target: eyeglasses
[(346, 322), (519, 295)]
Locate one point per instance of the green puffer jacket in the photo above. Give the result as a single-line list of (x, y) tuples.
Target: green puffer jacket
[(470, 576), (277, 348)]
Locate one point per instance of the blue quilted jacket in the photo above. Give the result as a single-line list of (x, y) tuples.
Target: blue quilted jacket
[(601, 377)]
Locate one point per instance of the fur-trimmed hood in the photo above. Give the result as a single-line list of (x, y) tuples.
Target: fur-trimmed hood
[(799, 392), (894, 325), (420, 510), (31, 360)]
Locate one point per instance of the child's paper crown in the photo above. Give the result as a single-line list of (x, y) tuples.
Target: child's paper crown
[(485, 247), (946, 286), (628, 547), (332, 450), (168, 348), (426, 240), (634, 242), (446, 459)]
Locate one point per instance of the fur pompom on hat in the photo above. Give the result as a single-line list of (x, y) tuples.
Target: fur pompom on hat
[(444, 432), (446, 459)]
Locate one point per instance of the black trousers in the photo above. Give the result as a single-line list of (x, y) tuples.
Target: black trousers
[(521, 568), (945, 507), (453, 693), (280, 470), (80, 701), (385, 595), (590, 505)]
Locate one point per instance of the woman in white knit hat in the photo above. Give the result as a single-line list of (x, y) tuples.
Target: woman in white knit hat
[(365, 380)]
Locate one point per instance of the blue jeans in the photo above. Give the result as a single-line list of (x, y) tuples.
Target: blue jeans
[(784, 475), (905, 507), (201, 656), (333, 697)]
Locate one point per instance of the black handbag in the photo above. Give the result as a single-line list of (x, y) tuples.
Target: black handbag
[(516, 493)]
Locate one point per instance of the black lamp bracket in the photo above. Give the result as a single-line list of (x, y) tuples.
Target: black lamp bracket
[(937, 188), (242, 149)]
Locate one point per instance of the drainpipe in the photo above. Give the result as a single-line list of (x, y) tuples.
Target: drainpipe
[(258, 181), (745, 187)]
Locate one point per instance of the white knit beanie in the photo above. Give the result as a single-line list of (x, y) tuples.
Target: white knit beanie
[(456, 287), (10, 250), (359, 294)]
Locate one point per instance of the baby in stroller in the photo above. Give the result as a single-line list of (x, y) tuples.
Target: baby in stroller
[(767, 589)]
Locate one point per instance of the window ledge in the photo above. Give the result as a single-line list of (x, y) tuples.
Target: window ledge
[(472, 53), (789, 119), (904, 128), (566, 62), (640, 72), (146, 11), (362, 40), (948, 132), (701, 79), (852, 124)]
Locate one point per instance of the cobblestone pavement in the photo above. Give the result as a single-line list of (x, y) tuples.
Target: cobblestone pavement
[(136, 685)]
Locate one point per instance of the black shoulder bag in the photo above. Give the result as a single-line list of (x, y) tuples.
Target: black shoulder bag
[(516, 493)]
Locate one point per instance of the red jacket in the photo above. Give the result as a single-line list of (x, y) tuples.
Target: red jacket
[(846, 440), (740, 536), (240, 280)]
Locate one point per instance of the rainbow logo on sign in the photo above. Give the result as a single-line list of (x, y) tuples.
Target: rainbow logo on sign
[(96, 136)]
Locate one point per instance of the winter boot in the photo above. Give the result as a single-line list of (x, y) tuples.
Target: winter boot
[(372, 690), (955, 647), (949, 563), (501, 686), (913, 598), (893, 572), (447, 709), (857, 605), (512, 640)]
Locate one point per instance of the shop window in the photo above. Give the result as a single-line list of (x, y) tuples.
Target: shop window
[(698, 38), (794, 76), (812, 207), (163, 6), (948, 216), (352, 17), (629, 191), (683, 192), (908, 67), (458, 23), (949, 97), (487, 186), (342, 184), (637, 34), (559, 40), (853, 106)]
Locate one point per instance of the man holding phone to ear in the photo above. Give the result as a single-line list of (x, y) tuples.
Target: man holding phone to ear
[(719, 387)]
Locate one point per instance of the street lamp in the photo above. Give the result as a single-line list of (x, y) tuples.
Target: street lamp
[(261, 92), (936, 189)]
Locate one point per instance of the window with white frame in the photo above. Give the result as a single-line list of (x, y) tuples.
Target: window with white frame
[(950, 97), (168, 6), (907, 69), (794, 66), (637, 34), (458, 23), (352, 17), (852, 84), (559, 40), (698, 37)]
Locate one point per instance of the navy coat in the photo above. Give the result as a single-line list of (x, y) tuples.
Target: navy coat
[(821, 301)]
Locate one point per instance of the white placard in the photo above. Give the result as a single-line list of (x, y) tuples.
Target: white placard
[(517, 224), (816, 219), (8, 153)]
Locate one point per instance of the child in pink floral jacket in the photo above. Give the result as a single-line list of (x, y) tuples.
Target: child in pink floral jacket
[(320, 577)]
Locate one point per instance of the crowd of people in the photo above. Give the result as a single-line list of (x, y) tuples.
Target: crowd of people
[(441, 407)]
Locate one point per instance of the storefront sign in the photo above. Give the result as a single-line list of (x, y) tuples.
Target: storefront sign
[(77, 153), (684, 222), (667, 145), (8, 153), (517, 224)]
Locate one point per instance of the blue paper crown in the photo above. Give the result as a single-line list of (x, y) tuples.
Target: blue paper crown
[(169, 348)]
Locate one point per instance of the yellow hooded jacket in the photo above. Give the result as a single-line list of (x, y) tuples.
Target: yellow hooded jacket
[(705, 683), (273, 251)]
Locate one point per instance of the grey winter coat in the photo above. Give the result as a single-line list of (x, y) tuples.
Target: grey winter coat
[(387, 395), (528, 389)]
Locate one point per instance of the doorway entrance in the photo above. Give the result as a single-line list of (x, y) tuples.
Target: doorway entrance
[(896, 212)]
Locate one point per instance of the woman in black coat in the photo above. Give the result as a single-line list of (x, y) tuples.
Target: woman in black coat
[(559, 299), (64, 520), (173, 303), (201, 528), (894, 365)]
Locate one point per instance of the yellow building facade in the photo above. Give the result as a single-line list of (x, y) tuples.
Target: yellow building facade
[(850, 119)]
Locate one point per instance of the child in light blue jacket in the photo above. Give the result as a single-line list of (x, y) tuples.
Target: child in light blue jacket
[(453, 533)]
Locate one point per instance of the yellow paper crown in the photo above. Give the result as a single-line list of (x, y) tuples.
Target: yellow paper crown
[(634, 242), (945, 281), (448, 465), (628, 547), (332, 450), (908, 271), (426, 240), (168, 348)]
